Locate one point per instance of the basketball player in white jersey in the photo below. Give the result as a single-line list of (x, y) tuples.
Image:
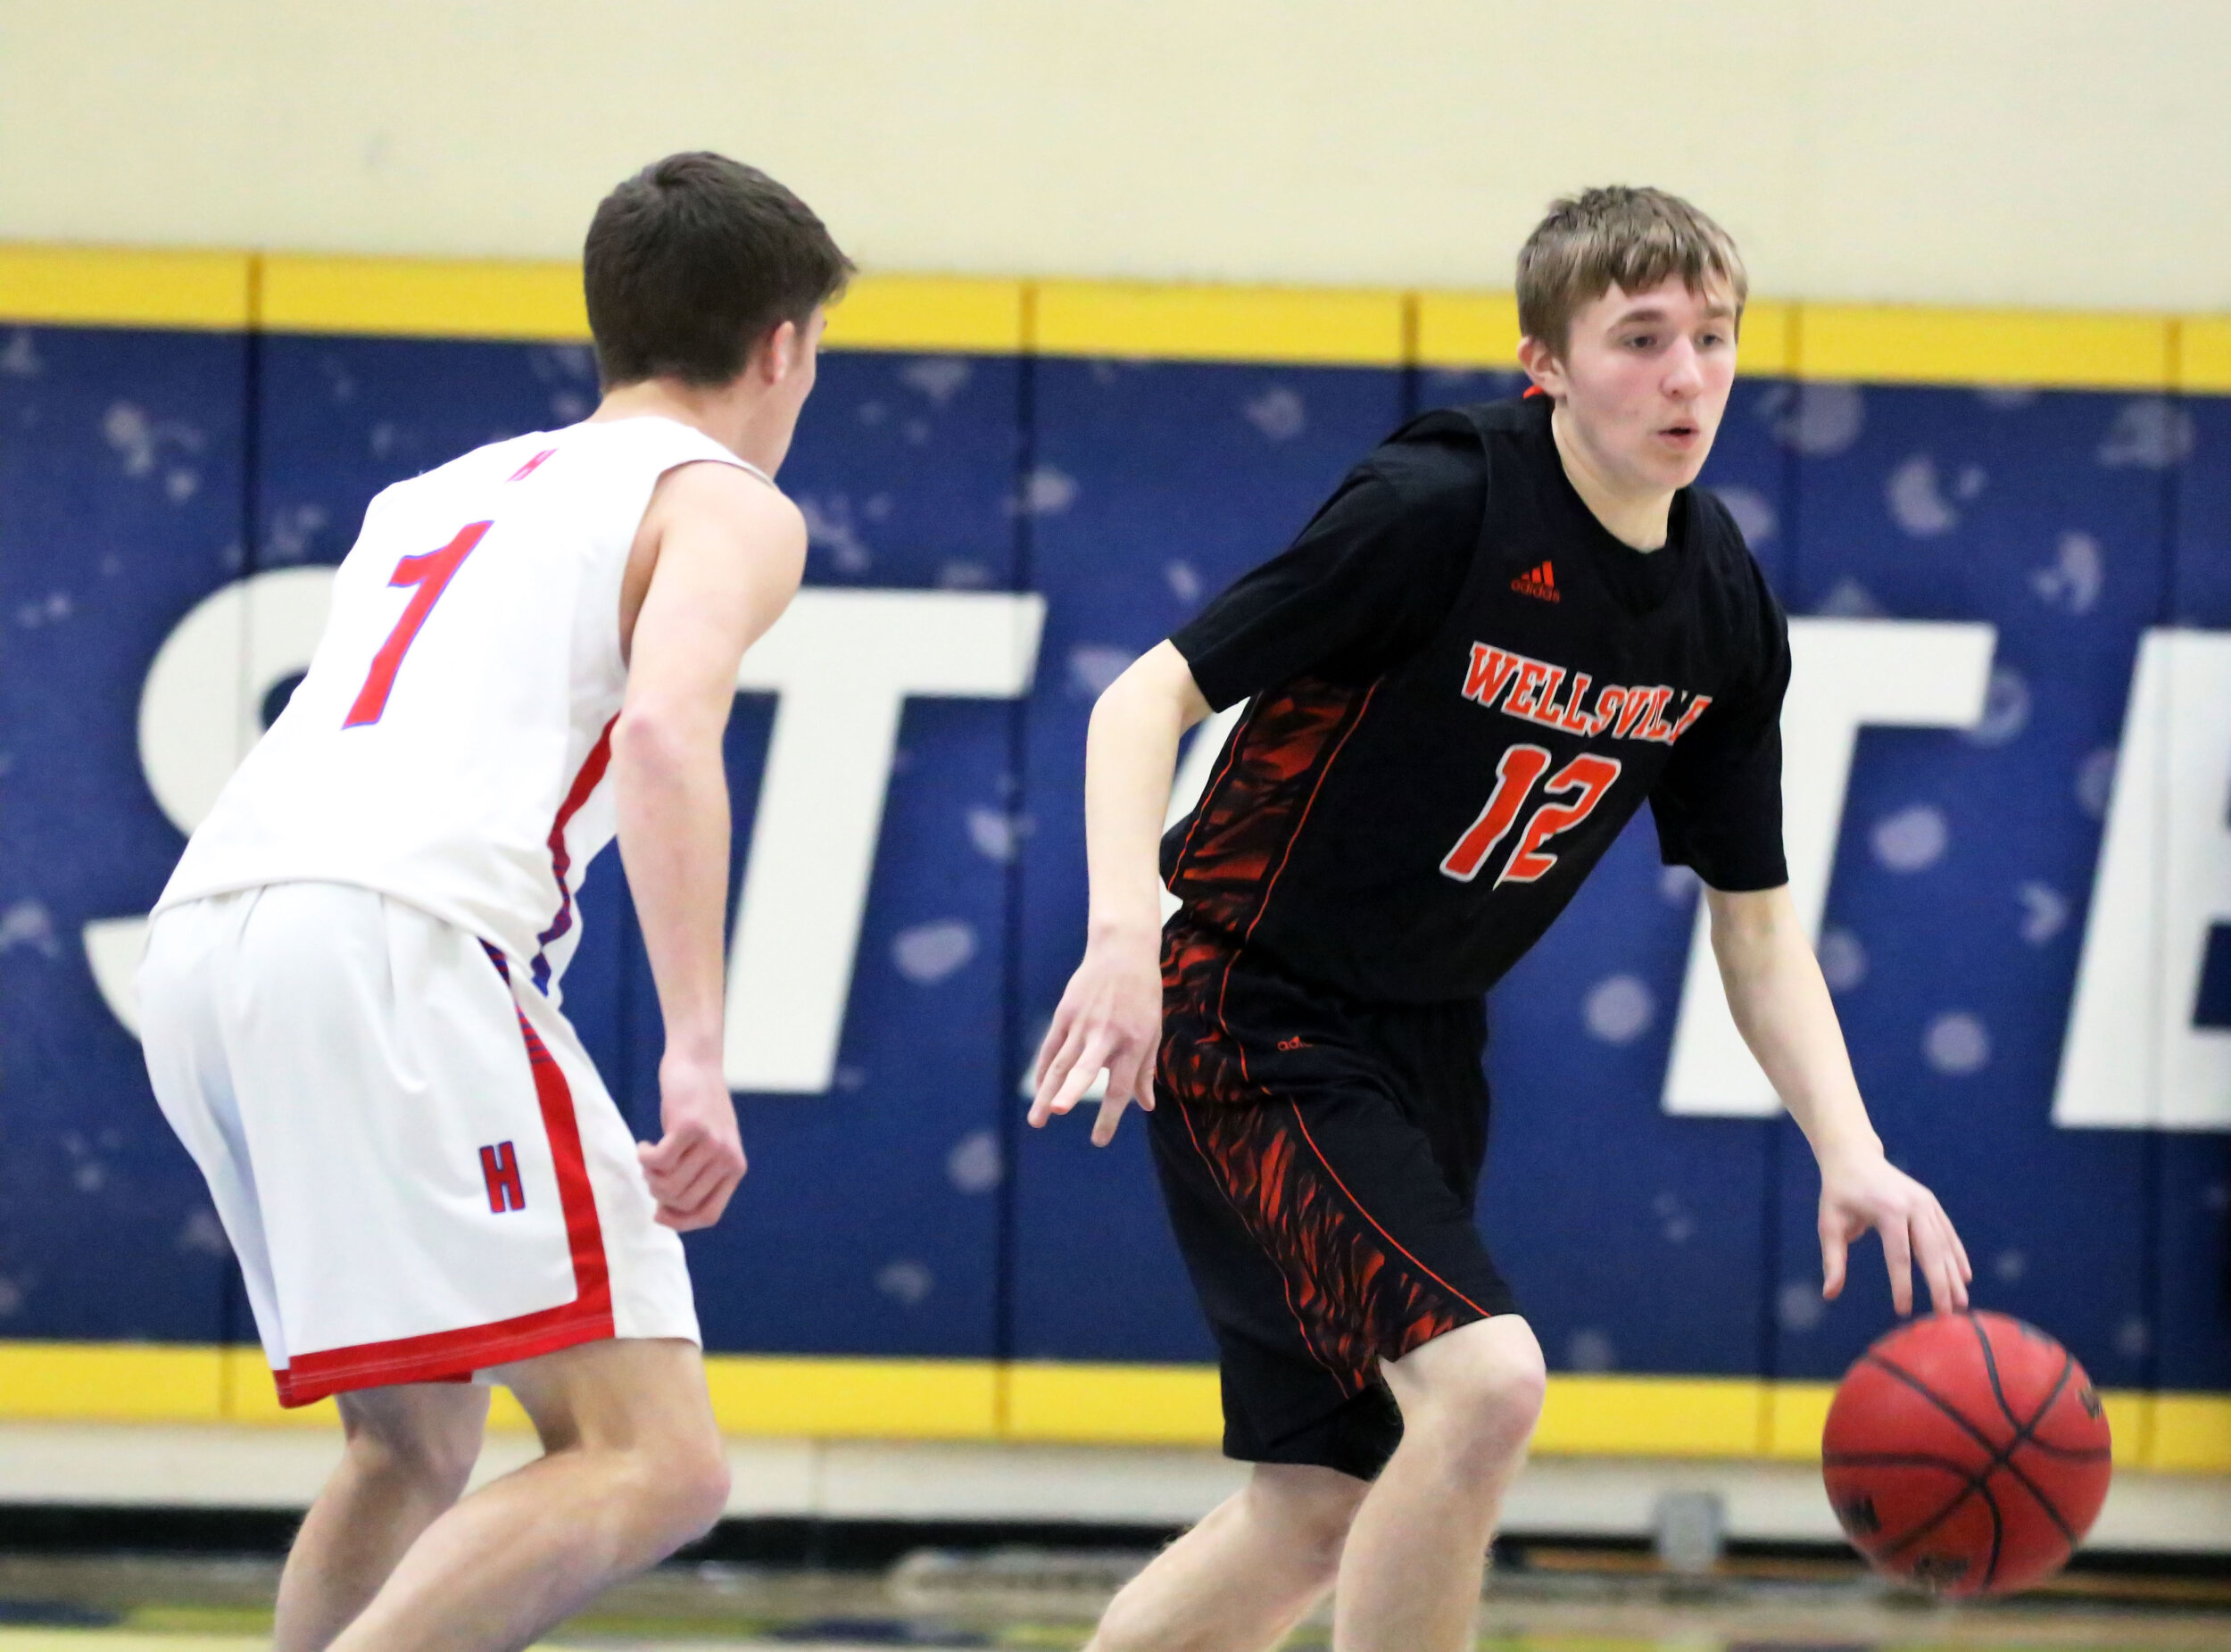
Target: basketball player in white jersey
[(351, 993)]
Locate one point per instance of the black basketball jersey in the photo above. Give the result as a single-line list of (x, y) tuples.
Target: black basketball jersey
[(1463, 687)]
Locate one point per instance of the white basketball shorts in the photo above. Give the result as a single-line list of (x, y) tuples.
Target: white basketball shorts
[(418, 1169)]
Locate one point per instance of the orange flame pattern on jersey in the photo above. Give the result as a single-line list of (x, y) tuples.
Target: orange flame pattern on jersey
[(1354, 1298), (1255, 806)]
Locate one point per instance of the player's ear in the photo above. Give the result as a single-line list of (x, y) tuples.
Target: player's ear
[(1541, 365), (780, 352)]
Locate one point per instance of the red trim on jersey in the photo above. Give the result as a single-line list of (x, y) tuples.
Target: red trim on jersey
[(528, 469), (584, 783), (1363, 1211), (1248, 812), (1232, 743), (453, 1356)]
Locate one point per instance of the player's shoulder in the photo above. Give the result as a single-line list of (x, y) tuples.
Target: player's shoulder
[(1459, 447), (1434, 459), (1730, 581), (1712, 528), (731, 497), (1717, 538), (473, 466)]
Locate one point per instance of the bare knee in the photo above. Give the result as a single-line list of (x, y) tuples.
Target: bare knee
[(690, 1482), (672, 1486), (425, 1437), (640, 1409), (1476, 1391)]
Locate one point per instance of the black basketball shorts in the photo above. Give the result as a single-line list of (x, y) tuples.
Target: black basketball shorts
[(1320, 1160)]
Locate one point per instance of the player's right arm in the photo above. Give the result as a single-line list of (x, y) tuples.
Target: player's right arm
[(1364, 584), (1111, 1013), (728, 553)]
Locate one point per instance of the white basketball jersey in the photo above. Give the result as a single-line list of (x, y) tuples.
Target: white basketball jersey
[(448, 746)]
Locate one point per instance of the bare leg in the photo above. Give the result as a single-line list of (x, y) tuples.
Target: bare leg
[(634, 1469), (1246, 1574), (408, 1452), (1410, 1575)]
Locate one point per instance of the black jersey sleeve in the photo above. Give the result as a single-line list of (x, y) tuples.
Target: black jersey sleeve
[(1719, 803), (1360, 589)]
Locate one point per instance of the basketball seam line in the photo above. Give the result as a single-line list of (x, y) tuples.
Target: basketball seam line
[(1991, 1369), (2023, 1431), (1977, 1482), (1895, 1459), (1998, 1534), (1998, 1392), (1999, 1458)]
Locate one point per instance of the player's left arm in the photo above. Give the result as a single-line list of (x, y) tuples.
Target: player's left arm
[(1782, 1009), (727, 553)]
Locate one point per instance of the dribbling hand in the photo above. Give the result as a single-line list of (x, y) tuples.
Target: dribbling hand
[(1868, 1191), (693, 1169), (1110, 1016)]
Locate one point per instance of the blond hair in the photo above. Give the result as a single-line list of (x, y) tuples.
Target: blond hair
[(1619, 236)]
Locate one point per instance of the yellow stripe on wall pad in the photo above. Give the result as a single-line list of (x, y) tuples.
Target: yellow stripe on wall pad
[(1220, 323), (111, 1383), (930, 313), (856, 1399), (1653, 1416), (424, 298), (2031, 349), (435, 298), (2203, 353), (1053, 1402), (1113, 1405), (111, 287), (1467, 330)]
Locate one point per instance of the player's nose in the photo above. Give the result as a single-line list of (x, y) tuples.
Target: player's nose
[(1684, 373)]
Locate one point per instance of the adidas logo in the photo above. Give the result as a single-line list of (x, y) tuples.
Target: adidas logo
[(1540, 583)]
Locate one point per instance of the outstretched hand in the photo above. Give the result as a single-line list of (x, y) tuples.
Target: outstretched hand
[(1110, 1016), (693, 1169), (1868, 1191)]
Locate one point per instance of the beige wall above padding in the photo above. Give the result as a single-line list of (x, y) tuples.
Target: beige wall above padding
[(2025, 153)]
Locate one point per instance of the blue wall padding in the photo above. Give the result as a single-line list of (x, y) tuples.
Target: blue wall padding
[(907, 1211), (121, 507), (2022, 509), (869, 1224)]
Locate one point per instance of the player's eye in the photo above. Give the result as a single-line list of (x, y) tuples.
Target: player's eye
[(1640, 341)]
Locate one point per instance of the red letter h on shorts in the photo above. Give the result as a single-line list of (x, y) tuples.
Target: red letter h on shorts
[(499, 1166)]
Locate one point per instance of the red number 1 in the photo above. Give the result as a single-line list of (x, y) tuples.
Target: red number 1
[(1514, 777), (431, 573)]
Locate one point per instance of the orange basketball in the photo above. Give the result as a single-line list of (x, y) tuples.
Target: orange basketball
[(1967, 1453)]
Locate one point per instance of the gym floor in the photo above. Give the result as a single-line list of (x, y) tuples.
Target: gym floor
[(1549, 1600)]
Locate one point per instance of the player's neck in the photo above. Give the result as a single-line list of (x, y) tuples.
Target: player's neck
[(1636, 520), (733, 414)]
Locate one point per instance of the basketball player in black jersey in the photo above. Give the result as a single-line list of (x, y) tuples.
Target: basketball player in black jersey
[(1510, 627)]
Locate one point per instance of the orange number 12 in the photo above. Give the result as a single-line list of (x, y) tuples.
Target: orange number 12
[(1588, 775)]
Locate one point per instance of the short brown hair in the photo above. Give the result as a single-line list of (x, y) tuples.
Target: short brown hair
[(1619, 236), (693, 261)]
